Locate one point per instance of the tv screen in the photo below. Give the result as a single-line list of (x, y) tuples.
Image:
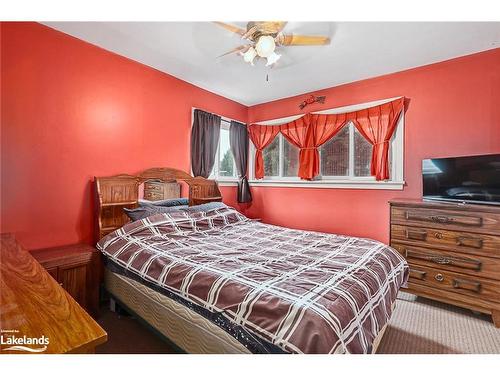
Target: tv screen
[(473, 179)]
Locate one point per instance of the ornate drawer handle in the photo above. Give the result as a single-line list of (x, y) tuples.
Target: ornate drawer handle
[(441, 260), (441, 219), (439, 277), (438, 235), (473, 286)]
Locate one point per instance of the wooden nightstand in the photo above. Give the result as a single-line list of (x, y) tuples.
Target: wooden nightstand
[(159, 190), (77, 268)]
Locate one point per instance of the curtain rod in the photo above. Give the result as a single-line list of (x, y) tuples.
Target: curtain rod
[(223, 118), (349, 108)]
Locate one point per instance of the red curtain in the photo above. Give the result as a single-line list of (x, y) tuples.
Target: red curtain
[(308, 133), (296, 132), (377, 125), (261, 136)]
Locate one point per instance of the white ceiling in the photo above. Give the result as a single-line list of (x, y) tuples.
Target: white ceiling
[(359, 50)]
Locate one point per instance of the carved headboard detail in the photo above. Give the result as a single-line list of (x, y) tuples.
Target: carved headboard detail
[(164, 174), (114, 193)]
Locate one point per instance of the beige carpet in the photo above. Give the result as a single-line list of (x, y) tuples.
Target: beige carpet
[(420, 325)]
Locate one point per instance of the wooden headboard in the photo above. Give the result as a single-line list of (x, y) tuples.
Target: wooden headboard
[(114, 193)]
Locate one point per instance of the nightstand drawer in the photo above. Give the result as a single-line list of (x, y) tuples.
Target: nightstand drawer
[(72, 279), (77, 269)]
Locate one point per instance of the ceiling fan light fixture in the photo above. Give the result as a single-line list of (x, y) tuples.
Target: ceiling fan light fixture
[(272, 58), (249, 55), (265, 46)]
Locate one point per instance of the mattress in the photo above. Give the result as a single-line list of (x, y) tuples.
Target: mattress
[(185, 328), (271, 288)]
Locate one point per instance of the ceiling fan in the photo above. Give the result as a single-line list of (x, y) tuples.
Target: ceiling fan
[(264, 37)]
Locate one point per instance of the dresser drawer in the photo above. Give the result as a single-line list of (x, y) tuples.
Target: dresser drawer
[(481, 222), (456, 283), (153, 196), (471, 264), (153, 187), (470, 243)]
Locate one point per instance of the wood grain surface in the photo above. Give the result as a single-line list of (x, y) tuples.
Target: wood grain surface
[(33, 304), (453, 251)]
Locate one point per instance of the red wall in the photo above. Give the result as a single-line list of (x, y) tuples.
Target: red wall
[(454, 110), (72, 111)]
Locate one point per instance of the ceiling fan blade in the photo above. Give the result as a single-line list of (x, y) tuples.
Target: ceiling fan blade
[(280, 25), (242, 49), (232, 28), (248, 33), (302, 40)]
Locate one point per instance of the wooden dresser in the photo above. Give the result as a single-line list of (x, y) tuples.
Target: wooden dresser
[(159, 190), (33, 306), (77, 269), (453, 251)]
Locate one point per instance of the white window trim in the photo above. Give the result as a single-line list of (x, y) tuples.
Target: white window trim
[(215, 171), (397, 154)]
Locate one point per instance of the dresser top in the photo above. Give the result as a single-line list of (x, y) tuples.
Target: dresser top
[(33, 304), (408, 202)]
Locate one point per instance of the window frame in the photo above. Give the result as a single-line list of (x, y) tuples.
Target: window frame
[(352, 182), (224, 124)]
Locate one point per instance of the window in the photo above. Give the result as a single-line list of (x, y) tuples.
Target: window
[(281, 159), (224, 167), (347, 156), (344, 160), (271, 156), (290, 159), (334, 154)]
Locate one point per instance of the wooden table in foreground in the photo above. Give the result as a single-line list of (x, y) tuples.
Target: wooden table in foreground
[(35, 309)]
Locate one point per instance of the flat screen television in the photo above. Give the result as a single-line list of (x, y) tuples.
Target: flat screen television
[(467, 179)]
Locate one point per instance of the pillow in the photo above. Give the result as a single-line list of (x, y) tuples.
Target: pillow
[(206, 207), (165, 202), (142, 212)]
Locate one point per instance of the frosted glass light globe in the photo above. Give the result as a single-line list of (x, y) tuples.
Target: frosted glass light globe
[(265, 46), (249, 55), (272, 58)]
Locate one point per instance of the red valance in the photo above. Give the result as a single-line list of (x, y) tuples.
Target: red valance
[(377, 124)]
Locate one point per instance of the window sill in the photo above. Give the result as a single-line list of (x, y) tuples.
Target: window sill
[(368, 185), (227, 182)]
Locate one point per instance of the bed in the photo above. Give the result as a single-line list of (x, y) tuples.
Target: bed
[(214, 281)]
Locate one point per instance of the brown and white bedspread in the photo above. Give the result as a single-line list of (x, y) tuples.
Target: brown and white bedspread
[(305, 292)]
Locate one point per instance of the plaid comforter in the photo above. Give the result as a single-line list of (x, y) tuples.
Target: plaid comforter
[(305, 292)]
